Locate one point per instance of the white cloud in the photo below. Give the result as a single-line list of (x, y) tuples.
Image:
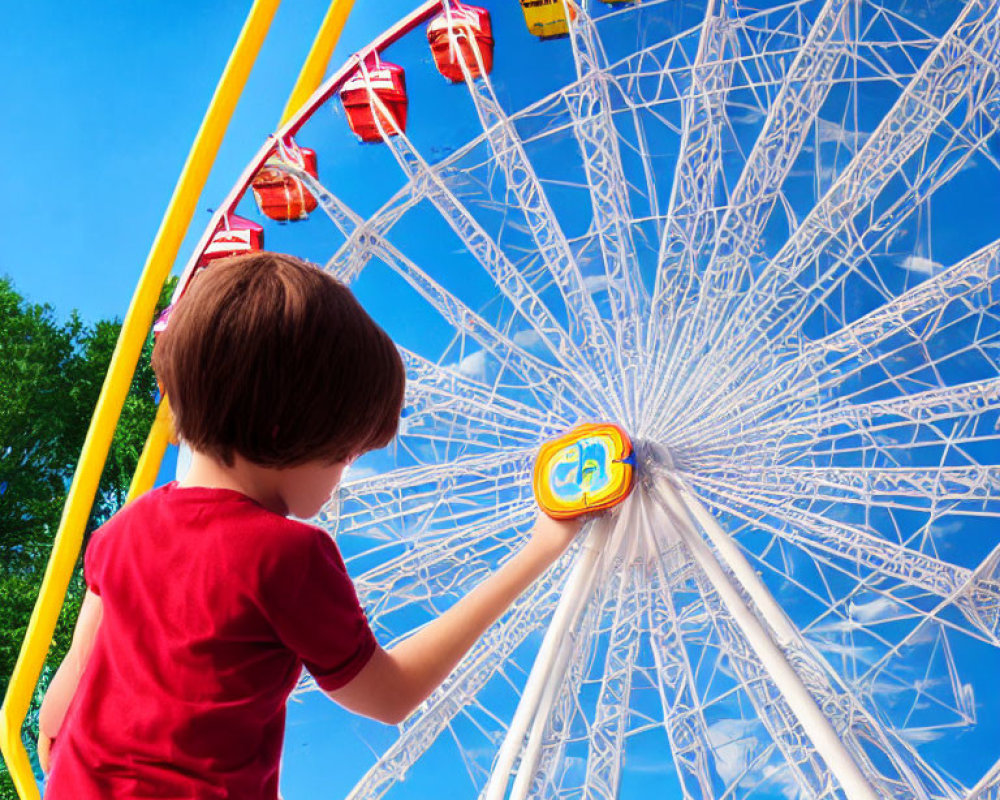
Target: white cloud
[(748, 117), (920, 735), (837, 626), (733, 747), (922, 634), (863, 655), (924, 266), (942, 530), (784, 780), (474, 365), (888, 689), (356, 473)]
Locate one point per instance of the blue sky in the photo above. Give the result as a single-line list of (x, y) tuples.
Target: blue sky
[(101, 110), (107, 105), (105, 109)]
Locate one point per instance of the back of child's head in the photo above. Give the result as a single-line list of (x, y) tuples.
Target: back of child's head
[(273, 359)]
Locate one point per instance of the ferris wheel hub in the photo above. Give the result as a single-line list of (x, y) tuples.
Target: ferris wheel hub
[(653, 457)]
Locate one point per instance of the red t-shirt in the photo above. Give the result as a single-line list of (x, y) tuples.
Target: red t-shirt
[(211, 606)]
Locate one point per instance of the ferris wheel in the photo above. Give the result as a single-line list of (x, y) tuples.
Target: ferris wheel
[(763, 238)]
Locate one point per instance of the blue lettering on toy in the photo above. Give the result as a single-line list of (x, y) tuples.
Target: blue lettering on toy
[(581, 469)]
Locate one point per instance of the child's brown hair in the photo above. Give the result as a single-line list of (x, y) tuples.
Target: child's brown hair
[(272, 358)]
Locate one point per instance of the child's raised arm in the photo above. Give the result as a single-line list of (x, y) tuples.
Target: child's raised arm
[(394, 682), (64, 683)]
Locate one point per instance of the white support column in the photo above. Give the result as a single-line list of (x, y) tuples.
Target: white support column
[(550, 654), (807, 711)]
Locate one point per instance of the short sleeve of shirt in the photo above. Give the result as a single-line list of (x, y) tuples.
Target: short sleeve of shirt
[(311, 603), (92, 562)]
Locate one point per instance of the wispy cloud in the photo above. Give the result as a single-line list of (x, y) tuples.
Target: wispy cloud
[(924, 266), (733, 746), (356, 473), (828, 131), (881, 608)]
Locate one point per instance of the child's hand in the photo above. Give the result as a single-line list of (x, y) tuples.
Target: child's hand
[(555, 534), (44, 750)]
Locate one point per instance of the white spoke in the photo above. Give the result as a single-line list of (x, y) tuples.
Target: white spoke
[(598, 140), (966, 56), (762, 240), (691, 215), (550, 663), (444, 405), (684, 718), (977, 596), (874, 339), (767, 165), (989, 787), (460, 689), (508, 279), (585, 324), (449, 306), (622, 588), (797, 673), (432, 569), (410, 497), (966, 490)]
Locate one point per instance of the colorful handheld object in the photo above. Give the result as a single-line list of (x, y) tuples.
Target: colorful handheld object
[(589, 469)]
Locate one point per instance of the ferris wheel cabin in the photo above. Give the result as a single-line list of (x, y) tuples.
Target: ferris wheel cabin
[(279, 195)]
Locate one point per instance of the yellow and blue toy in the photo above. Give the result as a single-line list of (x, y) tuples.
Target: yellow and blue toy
[(588, 469)]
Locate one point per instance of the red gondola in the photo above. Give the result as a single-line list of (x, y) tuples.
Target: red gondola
[(388, 84), (282, 196), (233, 237), (460, 32)]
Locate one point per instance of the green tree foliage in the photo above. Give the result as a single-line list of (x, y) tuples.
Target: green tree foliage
[(51, 373)]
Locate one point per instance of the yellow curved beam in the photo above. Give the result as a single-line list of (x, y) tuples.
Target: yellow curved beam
[(314, 68), (135, 328), (309, 80), (148, 466)]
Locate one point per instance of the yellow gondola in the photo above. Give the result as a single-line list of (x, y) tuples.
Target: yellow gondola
[(546, 19)]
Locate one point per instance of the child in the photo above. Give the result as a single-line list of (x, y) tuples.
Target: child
[(204, 598)]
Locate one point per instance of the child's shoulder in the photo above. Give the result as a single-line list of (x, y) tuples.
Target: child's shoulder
[(206, 509), (218, 524)]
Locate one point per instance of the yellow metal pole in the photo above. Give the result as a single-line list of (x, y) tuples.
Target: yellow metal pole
[(309, 80), (148, 466), (316, 62), (69, 538)]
